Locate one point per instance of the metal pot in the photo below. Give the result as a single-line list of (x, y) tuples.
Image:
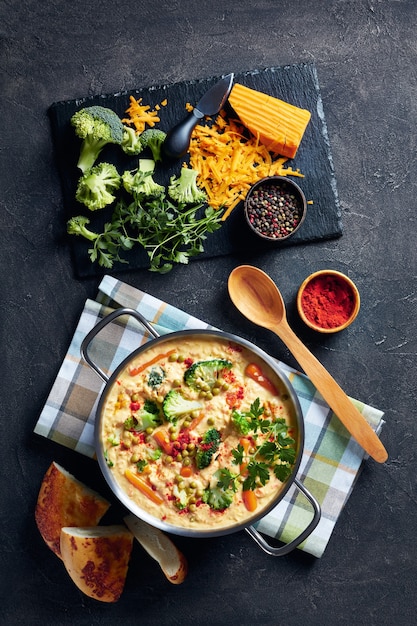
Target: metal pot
[(143, 514)]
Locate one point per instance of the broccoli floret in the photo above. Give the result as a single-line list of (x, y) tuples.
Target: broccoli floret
[(97, 126), (153, 138), (78, 226), (241, 423), (142, 420), (147, 417), (140, 182), (156, 377), (175, 405), (207, 447), (218, 496), (95, 187), (205, 374), (151, 407), (132, 143), (184, 189)]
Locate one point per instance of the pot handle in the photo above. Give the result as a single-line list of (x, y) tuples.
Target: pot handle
[(285, 549), (100, 325)]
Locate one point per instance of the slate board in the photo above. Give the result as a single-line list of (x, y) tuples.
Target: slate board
[(297, 84)]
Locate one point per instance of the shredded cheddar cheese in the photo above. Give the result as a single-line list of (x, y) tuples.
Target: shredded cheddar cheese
[(228, 162), (141, 115)]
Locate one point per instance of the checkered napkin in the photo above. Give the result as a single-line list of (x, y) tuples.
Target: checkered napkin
[(331, 459)]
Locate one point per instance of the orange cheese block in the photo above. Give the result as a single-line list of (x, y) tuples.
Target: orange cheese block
[(278, 125)]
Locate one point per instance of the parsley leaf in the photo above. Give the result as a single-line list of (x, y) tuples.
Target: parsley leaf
[(275, 453), (168, 232), (258, 475)]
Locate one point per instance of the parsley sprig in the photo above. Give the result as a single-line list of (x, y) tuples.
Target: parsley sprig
[(169, 232), (276, 452)]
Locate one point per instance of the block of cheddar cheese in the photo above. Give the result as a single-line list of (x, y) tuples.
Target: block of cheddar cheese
[(278, 125)]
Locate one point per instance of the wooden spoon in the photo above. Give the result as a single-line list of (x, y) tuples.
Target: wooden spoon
[(257, 297)]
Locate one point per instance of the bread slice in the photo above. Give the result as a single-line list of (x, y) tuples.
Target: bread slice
[(97, 559), (65, 501), (160, 547)]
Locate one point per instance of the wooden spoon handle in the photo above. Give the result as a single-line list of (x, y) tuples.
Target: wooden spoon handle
[(335, 397)]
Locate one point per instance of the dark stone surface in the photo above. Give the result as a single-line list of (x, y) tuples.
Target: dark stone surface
[(366, 58)]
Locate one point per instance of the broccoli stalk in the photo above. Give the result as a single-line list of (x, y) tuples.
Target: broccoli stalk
[(184, 189), (97, 126), (96, 185), (78, 226), (131, 143), (153, 138), (207, 447), (140, 182)]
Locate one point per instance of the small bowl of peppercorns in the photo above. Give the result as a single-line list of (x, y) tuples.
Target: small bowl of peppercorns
[(275, 208), (328, 301)]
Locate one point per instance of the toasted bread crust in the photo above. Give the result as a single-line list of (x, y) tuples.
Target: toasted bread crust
[(65, 501), (97, 559)]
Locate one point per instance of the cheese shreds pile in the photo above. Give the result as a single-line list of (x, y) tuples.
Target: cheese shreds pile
[(228, 162), (141, 115)]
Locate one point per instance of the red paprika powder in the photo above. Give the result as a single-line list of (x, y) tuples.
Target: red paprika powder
[(328, 301)]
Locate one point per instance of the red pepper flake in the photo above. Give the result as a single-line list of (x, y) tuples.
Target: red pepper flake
[(134, 406), (188, 362), (234, 398), (228, 376)]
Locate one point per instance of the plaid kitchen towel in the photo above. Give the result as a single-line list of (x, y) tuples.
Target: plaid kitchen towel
[(331, 459)]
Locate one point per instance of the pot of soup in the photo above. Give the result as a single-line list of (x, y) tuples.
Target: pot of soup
[(199, 433)]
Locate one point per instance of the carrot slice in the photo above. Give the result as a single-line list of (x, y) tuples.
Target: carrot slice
[(162, 439), (254, 371), (143, 487), (137, 370), (249, 500), (186, 471), (245, 443)]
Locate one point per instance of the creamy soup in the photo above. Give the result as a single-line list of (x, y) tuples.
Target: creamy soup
[(199, 432)]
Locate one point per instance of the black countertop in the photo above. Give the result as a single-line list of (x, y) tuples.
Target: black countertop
[(366, 61)]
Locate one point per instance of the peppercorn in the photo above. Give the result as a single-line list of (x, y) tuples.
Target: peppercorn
[(274, 211)]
